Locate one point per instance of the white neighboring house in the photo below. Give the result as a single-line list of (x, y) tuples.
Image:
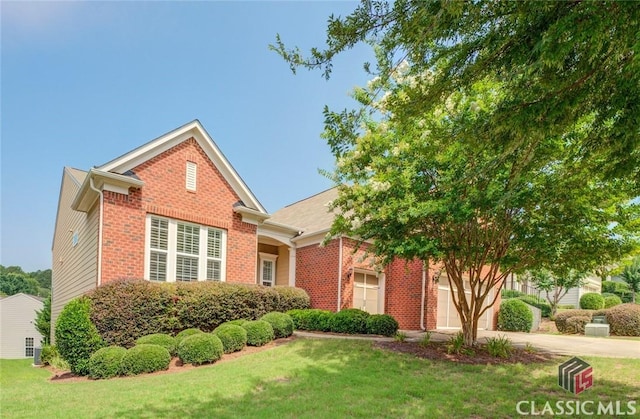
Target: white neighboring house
[(591, 283), (18, 333)]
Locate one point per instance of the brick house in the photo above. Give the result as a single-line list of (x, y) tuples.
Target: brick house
[(174, 209)]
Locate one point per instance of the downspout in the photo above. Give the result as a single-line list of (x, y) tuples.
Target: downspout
[(92, 186), (422, 302), (340, 275)]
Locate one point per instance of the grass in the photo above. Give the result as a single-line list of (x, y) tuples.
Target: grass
[(314, 378)]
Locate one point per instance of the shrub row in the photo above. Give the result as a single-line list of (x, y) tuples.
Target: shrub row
[(350, 320), (125, 310), (623, 319), (542, 304)]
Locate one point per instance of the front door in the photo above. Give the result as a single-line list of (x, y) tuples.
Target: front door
[(366, 291)]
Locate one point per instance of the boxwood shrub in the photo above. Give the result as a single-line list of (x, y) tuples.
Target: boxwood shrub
[(76, 336), (145, 358), (161, 339), (349, 320), (281, 322), (382, 324), (611, 301), (591, 301), (311, 319), (237, 322), (200, 348), (106, 362), (259, 332), (514, 316), (232, 336), (624, 319), (562, 318), (186, 333)]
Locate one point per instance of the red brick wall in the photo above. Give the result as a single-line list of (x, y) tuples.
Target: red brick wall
[(164, 193), (317, 273)]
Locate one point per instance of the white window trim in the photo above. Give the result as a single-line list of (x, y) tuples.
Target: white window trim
[(172, 249), (267, 257)]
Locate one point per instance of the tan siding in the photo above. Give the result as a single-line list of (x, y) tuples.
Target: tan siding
[(17, 316), (282, 267), (74, 267)]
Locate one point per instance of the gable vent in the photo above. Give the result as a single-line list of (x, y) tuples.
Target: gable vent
[(192, 170)]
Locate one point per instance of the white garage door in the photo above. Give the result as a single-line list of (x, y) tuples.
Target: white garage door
[(447, 313)]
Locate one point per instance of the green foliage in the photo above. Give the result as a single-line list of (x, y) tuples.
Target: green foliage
[(349, 320), (232, 336), (499, 346), (514, 316), (186, 333), (76, 336), (12, 283), (106, 362), (259, 332), (631, 275), (455, 344), (237, 322), (611, 301), (200, 348), (382, 324), (562, 319), (144, 359), (576, 324), (43, 321), (556, 284), (282, 323), (506, 294), (311, 319), (164, 340), (426, 339), (543, 305), (400, 336), (125, 310), (591, 301), (48, 353), (624, 319)]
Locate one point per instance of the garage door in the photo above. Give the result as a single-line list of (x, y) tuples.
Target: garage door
[(366, 292), (448, 317)]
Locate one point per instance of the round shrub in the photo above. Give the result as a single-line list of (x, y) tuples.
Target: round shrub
[(514, 316), (145, 358), (349, 320), (282, 323), (576, 324), (382, 324), (611, 301), (311, 319), (106, 362), (76, 337), (232, 336), (237, 322), (259, 332), (185, 333), (562, 318), (200, 348), (161, 339), (624, 319), (591, 301)]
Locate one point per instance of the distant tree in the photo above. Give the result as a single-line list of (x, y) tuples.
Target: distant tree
[(43, 321), (631, 275), (556, 286), (13, 283), (43, 278), (11, 269)]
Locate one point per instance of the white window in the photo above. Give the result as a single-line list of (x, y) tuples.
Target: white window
[(268, 269), (28, 347), (180, 251), (192, 171)]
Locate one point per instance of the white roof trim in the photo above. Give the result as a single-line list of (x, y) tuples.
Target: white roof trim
[(161, 144), (86, 196)]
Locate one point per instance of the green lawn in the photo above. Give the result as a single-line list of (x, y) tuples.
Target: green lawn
[(313, 378)]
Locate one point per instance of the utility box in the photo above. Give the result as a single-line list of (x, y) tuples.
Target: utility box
[(37, 352), (596, 329)]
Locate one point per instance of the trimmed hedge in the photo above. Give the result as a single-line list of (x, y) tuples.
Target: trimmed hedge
[(562, 318), (237, 322), (259, 332), (106, 362), (540, 303), (514, 316), (145, 358), (311, 319), (125, 310), (200, 348), (506, 294), (611, 301), (624, 319), (382, 324), (281, 322), (76, 336), (591, 301), (349, 320), (161, 339), (186, 333), (576, 324), (232, 336)]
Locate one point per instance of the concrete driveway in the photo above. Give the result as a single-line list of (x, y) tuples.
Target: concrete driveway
[(558, 344)]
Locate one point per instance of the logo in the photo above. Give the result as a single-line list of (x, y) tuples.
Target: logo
[(575, 375)]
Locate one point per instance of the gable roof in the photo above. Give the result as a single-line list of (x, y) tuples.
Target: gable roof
[(22, 295), (121, 165), (312, 214)]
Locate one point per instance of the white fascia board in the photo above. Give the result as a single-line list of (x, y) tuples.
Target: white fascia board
[(161, 144), (86, 196), (251, 216)]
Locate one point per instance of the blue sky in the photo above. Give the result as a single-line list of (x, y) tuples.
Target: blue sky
[(85, 82)]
